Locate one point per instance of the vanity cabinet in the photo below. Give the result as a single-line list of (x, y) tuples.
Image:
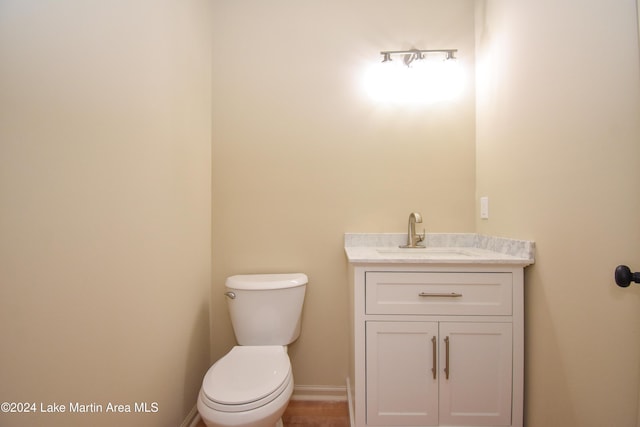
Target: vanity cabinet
[(436, 345), (438, 373)]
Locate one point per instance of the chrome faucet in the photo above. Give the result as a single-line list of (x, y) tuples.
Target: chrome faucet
[(413, 239)]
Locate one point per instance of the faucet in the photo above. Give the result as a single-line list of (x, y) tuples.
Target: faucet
[(413, 239)]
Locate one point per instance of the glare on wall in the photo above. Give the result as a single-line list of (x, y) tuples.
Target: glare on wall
[(423, 82)]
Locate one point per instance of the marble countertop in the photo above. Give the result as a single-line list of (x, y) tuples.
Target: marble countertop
[(440, 248)]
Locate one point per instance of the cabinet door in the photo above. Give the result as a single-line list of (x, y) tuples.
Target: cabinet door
[(401, 389), (478, 357)]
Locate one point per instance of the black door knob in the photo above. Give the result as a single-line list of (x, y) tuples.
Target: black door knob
[(624, 276)]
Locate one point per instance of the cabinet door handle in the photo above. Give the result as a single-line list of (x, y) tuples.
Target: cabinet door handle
[(434, 344), (446, 352), (440, 294)]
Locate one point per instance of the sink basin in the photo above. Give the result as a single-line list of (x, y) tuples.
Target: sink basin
[(424, 252)]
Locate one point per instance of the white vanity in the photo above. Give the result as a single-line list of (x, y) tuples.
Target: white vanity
[(437, 334)]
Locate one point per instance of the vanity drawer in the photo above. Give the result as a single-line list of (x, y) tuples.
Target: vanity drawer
[(438, 293)]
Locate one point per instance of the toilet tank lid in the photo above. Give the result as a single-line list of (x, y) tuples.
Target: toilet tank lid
[(266, 281)]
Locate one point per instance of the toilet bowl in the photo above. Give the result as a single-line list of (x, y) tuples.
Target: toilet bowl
[(250, 386)]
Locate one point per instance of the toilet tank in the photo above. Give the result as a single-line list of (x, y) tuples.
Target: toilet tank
[(266, 309)]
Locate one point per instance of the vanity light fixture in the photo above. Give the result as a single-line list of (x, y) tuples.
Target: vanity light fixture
[(408, 56)]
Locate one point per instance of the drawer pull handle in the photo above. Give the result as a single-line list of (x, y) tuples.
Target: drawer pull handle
[(446, 362), (440, 295), (434, 344)]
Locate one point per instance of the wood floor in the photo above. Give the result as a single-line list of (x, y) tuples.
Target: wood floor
[(301, 413)]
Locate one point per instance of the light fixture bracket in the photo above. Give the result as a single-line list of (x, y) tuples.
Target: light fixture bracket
[(408, 56)]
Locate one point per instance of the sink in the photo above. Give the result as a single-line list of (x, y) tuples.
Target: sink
[(424, 252)]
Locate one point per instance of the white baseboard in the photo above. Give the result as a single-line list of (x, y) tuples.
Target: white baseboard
[(352, 421), (313, 392), (192, 419)]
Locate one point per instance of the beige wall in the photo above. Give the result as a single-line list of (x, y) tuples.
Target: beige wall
[(558, 143), (104, 207), (301, 155)]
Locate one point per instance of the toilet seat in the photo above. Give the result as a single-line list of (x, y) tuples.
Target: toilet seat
[(246, 378)]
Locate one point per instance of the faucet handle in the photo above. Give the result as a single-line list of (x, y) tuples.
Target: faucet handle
[(421, 237)]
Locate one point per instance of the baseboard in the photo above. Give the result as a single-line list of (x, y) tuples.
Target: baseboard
[(192, 419), (352, 421), (313, 392)]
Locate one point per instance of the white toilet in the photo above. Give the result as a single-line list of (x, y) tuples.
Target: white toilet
[(252, 384)]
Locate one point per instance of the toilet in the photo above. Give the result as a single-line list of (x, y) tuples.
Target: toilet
[(251, 385)]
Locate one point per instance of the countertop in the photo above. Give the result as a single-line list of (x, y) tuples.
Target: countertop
[(440, 248)]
